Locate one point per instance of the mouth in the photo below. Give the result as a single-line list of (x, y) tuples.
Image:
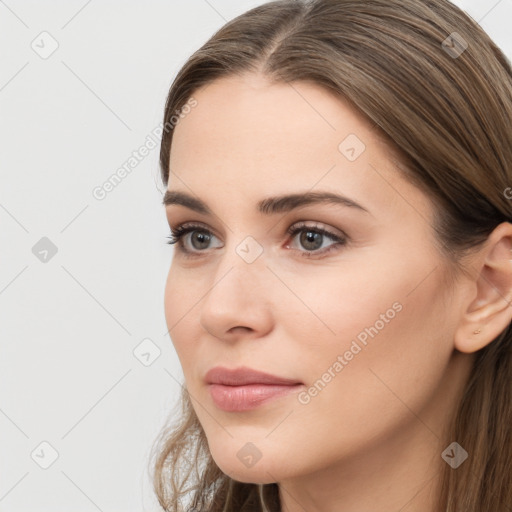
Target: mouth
[(248, 397), (244, 389)]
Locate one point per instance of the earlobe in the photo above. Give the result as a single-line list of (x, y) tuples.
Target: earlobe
[(489, 313)]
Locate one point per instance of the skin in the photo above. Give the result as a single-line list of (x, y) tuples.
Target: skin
[(373, 434)]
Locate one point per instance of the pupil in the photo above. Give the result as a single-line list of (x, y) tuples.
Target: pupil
[(203, 237), (309, 238)]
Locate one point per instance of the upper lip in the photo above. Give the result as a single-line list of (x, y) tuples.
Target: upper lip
[(244, 375)]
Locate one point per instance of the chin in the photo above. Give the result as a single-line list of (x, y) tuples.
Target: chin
[(249, 475), (247, 464)]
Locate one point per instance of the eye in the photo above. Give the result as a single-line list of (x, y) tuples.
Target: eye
[(312, 238), (178, 236)]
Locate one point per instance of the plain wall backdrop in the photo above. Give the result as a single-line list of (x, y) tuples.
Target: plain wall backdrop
[(88, 374)]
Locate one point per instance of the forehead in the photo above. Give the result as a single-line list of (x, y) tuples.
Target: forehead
[(248, 114), (245, 121), (249, 138)]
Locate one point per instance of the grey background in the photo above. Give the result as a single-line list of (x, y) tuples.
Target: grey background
[(72, 319)]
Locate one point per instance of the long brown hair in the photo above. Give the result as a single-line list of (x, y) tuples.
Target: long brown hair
[(447, 109)]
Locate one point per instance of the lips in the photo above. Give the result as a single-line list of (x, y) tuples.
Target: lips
[(244, 389), (243, 376)]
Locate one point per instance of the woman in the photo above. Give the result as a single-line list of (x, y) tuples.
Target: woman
[(339, 192)]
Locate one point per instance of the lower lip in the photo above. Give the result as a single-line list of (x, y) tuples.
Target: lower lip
[(248, 397)]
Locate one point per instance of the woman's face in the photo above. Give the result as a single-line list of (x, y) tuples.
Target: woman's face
[(362, 317)]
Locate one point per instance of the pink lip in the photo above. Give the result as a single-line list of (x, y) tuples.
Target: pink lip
[(244, 375), (244, 389)]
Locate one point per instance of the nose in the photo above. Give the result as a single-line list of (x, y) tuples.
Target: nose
[(238, 300)]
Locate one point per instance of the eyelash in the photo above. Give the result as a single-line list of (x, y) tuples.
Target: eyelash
[(177, 235)]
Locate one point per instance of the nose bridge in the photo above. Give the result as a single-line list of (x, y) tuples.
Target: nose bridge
[(243, 265), (236, 295)]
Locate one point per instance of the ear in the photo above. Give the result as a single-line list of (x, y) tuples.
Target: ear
[(489, 312)]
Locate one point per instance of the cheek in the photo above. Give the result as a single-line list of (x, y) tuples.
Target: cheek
[(171, 294), (337, 308), (180, 306), (387, 357), (387, 306)]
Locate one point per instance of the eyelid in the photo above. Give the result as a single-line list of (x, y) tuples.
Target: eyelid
[(296, 224), (193, 224), (316, 226)]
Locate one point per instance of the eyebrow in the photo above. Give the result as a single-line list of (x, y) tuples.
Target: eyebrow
[(268, 206)]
